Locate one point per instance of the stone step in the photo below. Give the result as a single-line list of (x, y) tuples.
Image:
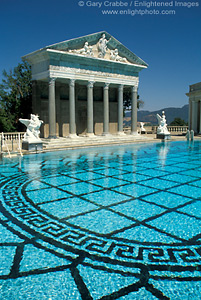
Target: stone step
[(90, 141)]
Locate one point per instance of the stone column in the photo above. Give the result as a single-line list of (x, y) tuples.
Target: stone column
[(58, 111), (194, 115), (52, 108), (72, 125), (90, 119), (200, 118), (134, 110), (120, 109), (106, 109), (190, 115)]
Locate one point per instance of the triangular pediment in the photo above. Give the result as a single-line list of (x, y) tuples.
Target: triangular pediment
[(99, 45)]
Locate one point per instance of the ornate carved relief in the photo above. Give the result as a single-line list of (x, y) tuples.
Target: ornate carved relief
[(100, 50), (72, 82), (102, 46), (114, 55), (90, 84), (86, 50), (89, 72)]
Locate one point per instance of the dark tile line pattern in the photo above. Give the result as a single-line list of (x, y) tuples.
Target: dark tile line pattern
[(107, 207), (123, 291)]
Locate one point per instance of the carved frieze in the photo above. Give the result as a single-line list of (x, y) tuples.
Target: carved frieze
[(91, 73)]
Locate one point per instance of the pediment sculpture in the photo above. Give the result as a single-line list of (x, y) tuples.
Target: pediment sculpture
[(114, 55), (102, 46), (100, 50), (86, 50)]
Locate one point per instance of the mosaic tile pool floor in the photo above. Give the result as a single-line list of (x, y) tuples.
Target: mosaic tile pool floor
[(119, 222)]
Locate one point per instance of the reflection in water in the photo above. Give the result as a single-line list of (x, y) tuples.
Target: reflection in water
[(163, 149), (190, 145), (70, 161)]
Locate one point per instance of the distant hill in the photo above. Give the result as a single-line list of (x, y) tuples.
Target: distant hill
[(150, 116)]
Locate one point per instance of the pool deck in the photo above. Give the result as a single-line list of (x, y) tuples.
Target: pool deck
[(62, 143), (100, 140)]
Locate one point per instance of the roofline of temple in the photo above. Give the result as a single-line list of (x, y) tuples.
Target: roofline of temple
[(140, 64)]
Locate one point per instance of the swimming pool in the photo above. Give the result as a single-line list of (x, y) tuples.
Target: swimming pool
[(120, 222)]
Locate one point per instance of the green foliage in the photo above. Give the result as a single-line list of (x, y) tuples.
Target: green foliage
[(5, 123), (127, 100), (15, 97), (178, 122)]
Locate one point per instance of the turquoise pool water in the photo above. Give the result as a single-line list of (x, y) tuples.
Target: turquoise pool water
[(119, 222)]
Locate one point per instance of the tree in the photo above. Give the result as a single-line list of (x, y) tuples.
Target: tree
[(178, 122), (127, 100), (15, 97)]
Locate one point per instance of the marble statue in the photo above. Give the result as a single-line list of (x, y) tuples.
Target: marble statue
[(86, 50), (102, 49), (162, 128), (114, 55), (102, 46), (142, 129), (33, 132)]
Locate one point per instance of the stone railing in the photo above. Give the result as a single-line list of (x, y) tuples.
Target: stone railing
[(173, 129), (11, 141), (179, 129), (153, 129)]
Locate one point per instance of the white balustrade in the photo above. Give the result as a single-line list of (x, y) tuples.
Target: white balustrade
[(11, 141), (153, 129)]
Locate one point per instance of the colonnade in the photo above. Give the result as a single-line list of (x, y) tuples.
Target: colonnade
[(90, 123)]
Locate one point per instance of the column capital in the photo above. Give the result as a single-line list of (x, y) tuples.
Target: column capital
[(90, 84), (52, 80), (72, 82), (106, 85), (120, 87), (134, 88)]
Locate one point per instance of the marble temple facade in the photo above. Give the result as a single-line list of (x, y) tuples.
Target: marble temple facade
[(79, 85)]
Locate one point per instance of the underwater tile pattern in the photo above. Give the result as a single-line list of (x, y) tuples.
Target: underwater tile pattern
[(120, 222)]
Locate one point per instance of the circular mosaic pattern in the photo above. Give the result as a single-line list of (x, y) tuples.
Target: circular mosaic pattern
[(120, 210)]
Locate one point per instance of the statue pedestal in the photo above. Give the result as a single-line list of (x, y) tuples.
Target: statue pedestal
[(163, 136), (32, 146)]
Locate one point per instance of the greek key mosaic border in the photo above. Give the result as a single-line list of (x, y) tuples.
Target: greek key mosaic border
[(178, 257)]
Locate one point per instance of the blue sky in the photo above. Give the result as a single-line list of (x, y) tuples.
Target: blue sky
[(170, 44)]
